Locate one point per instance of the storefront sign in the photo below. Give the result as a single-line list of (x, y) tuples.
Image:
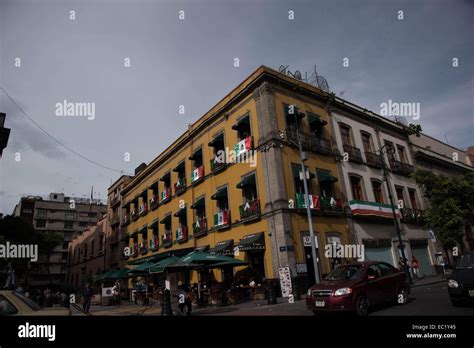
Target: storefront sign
[(301, 268), (285, 281), (307, 241), (107, 292)]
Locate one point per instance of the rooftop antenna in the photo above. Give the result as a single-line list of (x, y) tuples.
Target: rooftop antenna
[(282, 69)]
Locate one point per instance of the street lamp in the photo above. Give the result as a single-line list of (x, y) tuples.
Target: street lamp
[(390, 151), (303, 157)]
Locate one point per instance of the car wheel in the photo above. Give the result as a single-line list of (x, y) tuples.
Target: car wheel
[(402, 296), (362, 306)]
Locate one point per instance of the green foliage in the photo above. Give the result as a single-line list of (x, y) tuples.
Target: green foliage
[(413, 129), (451, 200), (19, 231)]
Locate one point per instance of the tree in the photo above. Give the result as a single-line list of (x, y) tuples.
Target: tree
[(16, 230), (451, 200)]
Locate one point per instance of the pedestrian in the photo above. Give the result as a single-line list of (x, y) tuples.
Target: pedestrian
[(184, 300), (86, 297), (415, 266), (116, 293)]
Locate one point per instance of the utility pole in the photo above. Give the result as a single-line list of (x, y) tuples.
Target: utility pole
[(395, 221), (304, 157)]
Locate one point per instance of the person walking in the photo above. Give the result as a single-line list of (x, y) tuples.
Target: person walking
[(415, 266), (116, 293), (86, 297)]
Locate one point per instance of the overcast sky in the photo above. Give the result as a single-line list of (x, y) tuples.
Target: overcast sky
[(190, 63)]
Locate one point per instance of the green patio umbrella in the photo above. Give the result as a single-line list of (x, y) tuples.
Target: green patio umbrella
[(160, 266), (229, 263), (118, 274), (141, 269)]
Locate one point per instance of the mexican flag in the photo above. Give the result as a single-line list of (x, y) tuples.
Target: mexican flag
[(197, 174), (313, 201), (243, 146), (221, 218), (363, 208)]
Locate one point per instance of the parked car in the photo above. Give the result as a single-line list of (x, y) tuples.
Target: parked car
[(461, 281), (15, 303), (357, 286)]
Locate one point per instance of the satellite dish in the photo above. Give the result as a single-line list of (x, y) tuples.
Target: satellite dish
[(401, 120), (282, 69), (322, 83), (297, 75)]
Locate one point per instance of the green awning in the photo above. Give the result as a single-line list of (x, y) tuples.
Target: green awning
[(198, 203), (179, 167), (160, 266), (116, 274), (167, 175), (223, 248), (316, 120), (197, 154), (154, 185), (243, 123), (154, 224), (202, 258), (246, 181), (222, 193), (326, 177), (254, 241), (180, 212), (166, 219), (217, 141)]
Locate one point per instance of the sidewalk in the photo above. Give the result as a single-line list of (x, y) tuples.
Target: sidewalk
[(429, 280)]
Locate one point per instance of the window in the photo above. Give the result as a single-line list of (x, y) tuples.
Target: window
[(83, 223), (6, 308), (41, 213), (401, 153), (377, 187), (386, 269), (366, 141), (243, 128), (345, 134), (356, 186), (249, 188), (68, 224), (326, 183), (41, 223), (69, 215), (390, 150), (412, 194), (298, 182), (293, 116), (373, 271), (399, 191)]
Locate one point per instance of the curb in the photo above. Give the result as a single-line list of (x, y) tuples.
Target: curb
[(429, 283)]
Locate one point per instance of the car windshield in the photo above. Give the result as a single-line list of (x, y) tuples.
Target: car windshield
[(30, 303), (465, 261), (345, 272)]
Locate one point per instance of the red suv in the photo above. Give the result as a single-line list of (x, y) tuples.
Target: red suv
[(357, 286)]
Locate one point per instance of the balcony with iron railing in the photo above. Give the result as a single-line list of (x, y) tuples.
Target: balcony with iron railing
[(217, 164), (250, 210), (167, 239), (154, 244), (401, 168), (165, 195), (182, 233), (144, 248), (353, 153), (197, 175), (412, 216), (154, 202), (324, 205), (200, 227), (373, 160), (143, 209), (313, 142), (222, 219), (180, 186)]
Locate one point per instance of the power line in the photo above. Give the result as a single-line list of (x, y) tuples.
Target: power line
[(57, 140)]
